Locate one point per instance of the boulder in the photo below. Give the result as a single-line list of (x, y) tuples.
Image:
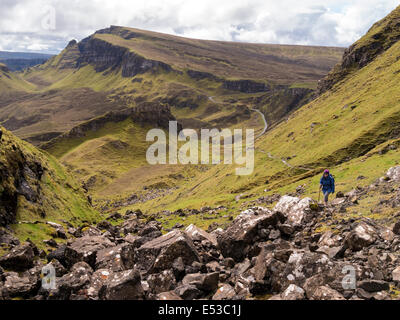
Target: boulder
[(362, 236), (151, 228), (58, 254), (161, 282), (110, 258), (58, 267), (130, 226), (396, 274), (329, 239), (394, 173), (89, 232), (20, 258), (331, 252), (188, 292), (326, 293), (293, 292), (170, 295), (124, 285), (8, 238), (295, 209), (76, 280), (204, 282), (85, 249), (396, 228), (271, 259), (97, 281), (197, 234), (373, 285), (301, 266), (225, 292), (20, 285), (159, 254), (237, 239)]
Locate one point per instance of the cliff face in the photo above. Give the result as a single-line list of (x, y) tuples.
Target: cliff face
[(146, 113), (246, 86), (103, 55), (278, 104), (381, 37), (28, 178)]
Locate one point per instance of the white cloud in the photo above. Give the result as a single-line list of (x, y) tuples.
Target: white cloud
[(27, 24)]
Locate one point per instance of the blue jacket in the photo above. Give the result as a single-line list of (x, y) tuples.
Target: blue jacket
[(328, 184)]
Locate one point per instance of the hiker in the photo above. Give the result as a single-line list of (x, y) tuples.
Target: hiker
[(327, 185)]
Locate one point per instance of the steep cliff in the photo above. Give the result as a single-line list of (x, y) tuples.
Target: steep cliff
[(153, 114), (104, 55), (35, 187), (381, 37)]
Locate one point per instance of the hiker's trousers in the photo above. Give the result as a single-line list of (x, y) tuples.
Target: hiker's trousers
[(326, 196)]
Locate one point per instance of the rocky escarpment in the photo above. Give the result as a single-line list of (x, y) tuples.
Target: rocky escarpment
[(147, 113), (104, 55), (278, 254), (278, 104), (381, 37), (20, 175), (199, 75), (246, 86)]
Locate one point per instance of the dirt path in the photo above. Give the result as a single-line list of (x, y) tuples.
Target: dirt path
[(284, 161), (264, 120)]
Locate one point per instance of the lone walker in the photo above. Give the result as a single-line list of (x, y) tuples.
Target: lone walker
[(327, 185)]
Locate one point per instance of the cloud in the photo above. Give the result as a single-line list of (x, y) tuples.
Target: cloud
[(48, 25)]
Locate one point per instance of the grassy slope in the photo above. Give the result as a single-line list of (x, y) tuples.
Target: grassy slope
[(12, 82), (61, 198), (352, 121)]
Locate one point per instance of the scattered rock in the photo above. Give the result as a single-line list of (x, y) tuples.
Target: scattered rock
[(197, 234), (373, 285), (85, 249), (225, 292), (362, 236), (293, 292), (161, 282), (159, 254), (236, 240), (20, 258), (396, 274), (295, 209), (326, 293), (170, 295), (203, 282), (394, 173), (124, 285)]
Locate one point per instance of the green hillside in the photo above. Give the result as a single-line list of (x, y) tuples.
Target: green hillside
[(351, 129), (35, 189)]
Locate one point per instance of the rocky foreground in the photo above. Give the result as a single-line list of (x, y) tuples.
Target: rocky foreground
[(263, 254)]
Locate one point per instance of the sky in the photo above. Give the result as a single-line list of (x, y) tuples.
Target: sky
[(48, 25)]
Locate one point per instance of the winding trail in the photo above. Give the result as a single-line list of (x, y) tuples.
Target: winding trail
[(264, 120), (284, 161)]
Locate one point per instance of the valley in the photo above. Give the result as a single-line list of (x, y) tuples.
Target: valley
[(73, 168)]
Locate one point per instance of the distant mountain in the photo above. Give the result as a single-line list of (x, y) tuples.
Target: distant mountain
[(17, 61)]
